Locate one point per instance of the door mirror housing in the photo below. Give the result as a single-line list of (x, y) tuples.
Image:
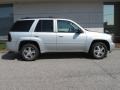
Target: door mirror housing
[(78, 31)]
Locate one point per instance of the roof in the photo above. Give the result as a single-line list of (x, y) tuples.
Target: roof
[(43, 18), (38, 17)]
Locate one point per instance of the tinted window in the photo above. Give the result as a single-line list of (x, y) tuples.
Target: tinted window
[(22, 26), (44, 26), (66, 26)]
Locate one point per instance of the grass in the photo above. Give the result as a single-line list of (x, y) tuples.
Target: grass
[(2, 46)]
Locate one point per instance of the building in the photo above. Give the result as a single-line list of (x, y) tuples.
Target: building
[(90, 14)]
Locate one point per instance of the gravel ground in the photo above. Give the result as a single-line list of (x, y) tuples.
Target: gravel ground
[(63, 71)]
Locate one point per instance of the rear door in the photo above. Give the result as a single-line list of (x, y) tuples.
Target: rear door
[(45, 32)]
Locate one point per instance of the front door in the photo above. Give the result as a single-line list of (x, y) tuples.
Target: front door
[(68, 40)]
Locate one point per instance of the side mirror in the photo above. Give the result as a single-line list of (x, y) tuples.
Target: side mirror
[(78, 31)]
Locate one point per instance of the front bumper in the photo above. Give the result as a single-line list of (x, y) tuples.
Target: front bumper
[(112, 46)]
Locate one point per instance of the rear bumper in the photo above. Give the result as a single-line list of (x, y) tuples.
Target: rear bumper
[(12, 46)]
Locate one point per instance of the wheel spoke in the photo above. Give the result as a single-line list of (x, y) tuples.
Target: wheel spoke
[(98, 47), (29, 49), (95, 51), (102, 49), (33, 52)]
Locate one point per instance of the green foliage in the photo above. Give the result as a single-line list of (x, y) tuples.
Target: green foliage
[(2, 45)]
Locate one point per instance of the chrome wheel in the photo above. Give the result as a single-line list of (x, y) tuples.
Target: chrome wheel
[(29, 52), (99, 51)]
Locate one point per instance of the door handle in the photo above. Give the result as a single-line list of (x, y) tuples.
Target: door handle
[(60, 36), (36, 36)]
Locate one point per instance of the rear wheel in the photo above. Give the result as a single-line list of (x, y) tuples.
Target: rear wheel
[(29, 52), (98, 50)]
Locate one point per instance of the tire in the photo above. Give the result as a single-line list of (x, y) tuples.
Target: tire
[(98, 50), (29, 52)]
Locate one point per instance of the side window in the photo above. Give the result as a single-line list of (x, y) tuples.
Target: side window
[(22, 26), (44, 26), (66, 26)]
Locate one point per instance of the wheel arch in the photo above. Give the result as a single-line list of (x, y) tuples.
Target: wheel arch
[(22, 43), (103, 41)]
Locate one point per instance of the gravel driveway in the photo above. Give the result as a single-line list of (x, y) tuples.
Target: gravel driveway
[(63, 71)]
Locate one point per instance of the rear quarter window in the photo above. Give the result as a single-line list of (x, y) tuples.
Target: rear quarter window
[(22, 26)]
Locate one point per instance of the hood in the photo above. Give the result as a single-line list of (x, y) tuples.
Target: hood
[(98, 35)]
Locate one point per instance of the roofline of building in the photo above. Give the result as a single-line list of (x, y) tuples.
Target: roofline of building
[(29, 1)]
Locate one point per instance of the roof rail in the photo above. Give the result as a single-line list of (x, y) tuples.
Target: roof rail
[(37, 17)]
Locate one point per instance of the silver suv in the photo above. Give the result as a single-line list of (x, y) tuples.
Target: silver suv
[(32, 37)]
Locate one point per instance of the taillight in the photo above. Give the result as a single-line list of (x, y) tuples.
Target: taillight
[(9, 37)]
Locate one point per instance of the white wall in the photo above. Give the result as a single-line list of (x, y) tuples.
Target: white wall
[(89, 15)]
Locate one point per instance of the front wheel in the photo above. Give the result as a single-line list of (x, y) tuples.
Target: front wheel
[(98, 50), (29, 52)]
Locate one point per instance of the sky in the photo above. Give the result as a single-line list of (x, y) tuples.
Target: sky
[(109, 14)]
